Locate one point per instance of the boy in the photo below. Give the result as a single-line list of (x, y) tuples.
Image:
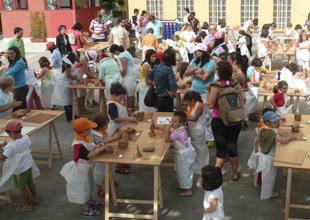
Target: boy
[(19, 162), (268, 138), (184, 152), (112, 35), (150, 40), (178, 40), (79, 172), (118, 115)]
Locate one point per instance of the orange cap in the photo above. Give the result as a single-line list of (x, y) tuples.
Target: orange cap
[(81, 124)]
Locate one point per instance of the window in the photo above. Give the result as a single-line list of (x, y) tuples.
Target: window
[(181, 4), (51, 5), (155, 7), (281, 13), (217, 11), (21, 5), (94, 3), (84, 3), (249, 10), (58, 4), (8, 5), (65, 4)]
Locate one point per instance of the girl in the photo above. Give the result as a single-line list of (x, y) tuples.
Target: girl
[(242, 44), (180, 77), (222, 27), (47, 88), (304, 54), (205, 27), (288, 32), (272, 27), (135, 26), (211, 181), (174, 47), (249, 106), (263, 45), (278, 100), (86, 37), (188, 37), (145, 84), (299, 31), (55, 61), (196, 122), (90, 93), (143, 20)]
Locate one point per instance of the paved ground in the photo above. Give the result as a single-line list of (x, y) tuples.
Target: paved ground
[(241, 198)]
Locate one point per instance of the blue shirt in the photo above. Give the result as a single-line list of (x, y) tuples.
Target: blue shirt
[(156, 27), (198, 84), (56, 59), (127, 55), (18, 73), (165, 79), (5, 99)]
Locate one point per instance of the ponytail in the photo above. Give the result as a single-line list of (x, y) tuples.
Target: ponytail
[(115, 47), (279, 86), (275, 90), (193, 95), (244, 64)]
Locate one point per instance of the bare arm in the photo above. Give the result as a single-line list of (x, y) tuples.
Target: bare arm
[(146, 69), (212, 207), (91, 29), (86, 69), (83, 40), (167, 134), (124, 63), (41, 73), (212, 96), (161, 31), (198, 113), (199, 27), (253, 82), (120, 120), (202, 75), (190, 70), (100, 147), (4, 108), (121, 41), (273, 103), (285, 140)]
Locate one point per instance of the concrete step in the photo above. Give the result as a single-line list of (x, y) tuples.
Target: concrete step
[(29, 47)]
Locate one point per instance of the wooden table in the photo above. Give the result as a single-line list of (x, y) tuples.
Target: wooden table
[(280, 52), (178, 95), (303, 168), (52, 128), (128, 158), (102, 102), (99, 46)]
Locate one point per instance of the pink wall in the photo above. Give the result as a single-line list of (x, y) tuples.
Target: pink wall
[(85, 16)]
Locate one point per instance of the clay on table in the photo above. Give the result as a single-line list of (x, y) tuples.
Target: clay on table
[(297, 116), (122, 144), (139, 152), (108, 150), (295, 128), (148, 149), (130, 130)]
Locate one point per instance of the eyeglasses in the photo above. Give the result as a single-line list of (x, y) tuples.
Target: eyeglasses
[(213, 29)]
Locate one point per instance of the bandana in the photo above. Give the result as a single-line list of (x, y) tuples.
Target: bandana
[(193, 108), (79, 138), (112, 100)]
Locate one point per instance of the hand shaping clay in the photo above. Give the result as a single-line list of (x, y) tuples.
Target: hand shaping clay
[(122, 144), (108, 150), (148, 149)]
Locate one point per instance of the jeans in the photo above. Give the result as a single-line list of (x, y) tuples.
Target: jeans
[(164, 104), (98, 40), (20, 94)]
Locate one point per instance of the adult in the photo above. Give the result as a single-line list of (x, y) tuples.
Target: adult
[(108, 69), (210, 37), (143, 20), (98, 28), (226, 137), (17, 41), (121, 35), (185, 17), (135, 13), (307, 23), (105, 17), (239, 64), (248, 25), (79, 39), (17, 69), (166, 85), (203, 69), (220, 44), (132, 39), (128, 72), (144, 85), (157, 26), (62, 95), (56, 60), (149, 42), (62, 41), (194, 22)]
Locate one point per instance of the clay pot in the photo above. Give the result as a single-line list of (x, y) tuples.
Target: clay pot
[(297, 116)]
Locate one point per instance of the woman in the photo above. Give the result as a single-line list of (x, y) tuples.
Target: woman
[(133, 39), (203, 69), (98, 27), (62, 95), (248, 25), (143, 21), (55, 61), (195, 23), (307, 23), (17, 69), (226, 137), (79, 39), (145, 84), (240, 65), (166, 85), (128, 72), (62, 41)]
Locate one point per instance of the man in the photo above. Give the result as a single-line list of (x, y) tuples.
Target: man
[(18, 41), (248, 34), (135, 13), (157, 26), (122, 38), (98, 28), (209, 38)]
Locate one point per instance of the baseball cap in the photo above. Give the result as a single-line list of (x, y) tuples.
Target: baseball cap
[(13, 125), (92, 54), (81, 124), (159, 55), (49, 44), (201, 47), (271, 116), (103, 55), (174, 45), (77, 54), (261, 55)]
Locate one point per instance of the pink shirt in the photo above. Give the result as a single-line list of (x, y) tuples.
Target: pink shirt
[(77, 35), (215, 113), (180, 135), (142, 24)]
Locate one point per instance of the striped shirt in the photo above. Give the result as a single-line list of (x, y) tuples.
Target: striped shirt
[(98, 27)]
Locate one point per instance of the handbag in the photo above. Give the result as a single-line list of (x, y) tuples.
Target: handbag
[(150, 97)]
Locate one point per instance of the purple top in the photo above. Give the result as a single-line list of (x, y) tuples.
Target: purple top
[(307, 23), (208, 39), (215, 113), (180, 135)]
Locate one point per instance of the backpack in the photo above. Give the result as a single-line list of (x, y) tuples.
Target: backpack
[(71, 37), (231, 107)]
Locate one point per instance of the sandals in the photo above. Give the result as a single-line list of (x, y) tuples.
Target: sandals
[(95, 103), (96, 204), (121, 170), (24, 208), (35, 200), (245, 127), (89, 105), (126, 166), (274, 195), (101, 193), (236, 179), (94, 213)]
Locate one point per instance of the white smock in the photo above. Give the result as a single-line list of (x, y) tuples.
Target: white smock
[(250, 104), (79, 72), (47, 89), (304, 55), (197, 134), (208, 118), (79, 177), (62, 95), (122, 113), (218, 213), (184, 54), (143, 88), (188, 36), (243, 48), (11, 164), (185, 157), (284, 109), (263, 49), (255, 88)]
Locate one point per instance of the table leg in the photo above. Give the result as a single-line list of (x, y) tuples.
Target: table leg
[(50, 151), (155, 202), (270, 61), (297, 104), (73, 104), (112, 187), (104, 102), (8, 197), (265, 102), (288, 193), (77, 103), (289, 59), (57, 140), (100, 100), (292, 102), (178, 101), (160, 193), (106, 183)]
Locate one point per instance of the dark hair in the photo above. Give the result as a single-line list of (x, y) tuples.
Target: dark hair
[(220, 21), (61, 27), (151, 17), (193, 13), (217, 42), (205, 58), (143, 12), (128, 26), (293, 67), (24, 59), (134, 20), (150, 30), (202, 34), (135, 10), (77, 26), (17, 30), (255, 21), (190, 17), (71, 56), (264, 33), (100, 119), (265, 27), (192, 95), (298, 26), (43, 61), (111, 25), (224, 70), (52, 48), (169, 57), (224, 56), (223, 24), (273, 25), (301, 34), (205, 25), (118, 89), (212, 177), (256, 62), (186, 9), (120, 20), (279, 86), (267, 110), (16, 132), (242, 32), (17, 57), (183, 68), (241, 60), (181, 115), (115, 47), (147, 59), (98, 14)]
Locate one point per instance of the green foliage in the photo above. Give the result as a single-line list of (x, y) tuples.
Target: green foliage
[(37, 24), (109, 4)]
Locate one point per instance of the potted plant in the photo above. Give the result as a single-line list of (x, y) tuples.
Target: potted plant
[(37, 31)]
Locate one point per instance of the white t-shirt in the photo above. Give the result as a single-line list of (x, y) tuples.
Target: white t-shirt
[(270, 33), (5, 99), (21, 146), (189, 35), (218, 213), (220, 29), (30, 78), (121, 33), (185, 18), (288, 31)]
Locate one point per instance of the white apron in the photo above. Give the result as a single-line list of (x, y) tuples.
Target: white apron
[(185, 157), (122, 113), (304, 53), (31, 88), (208, 118), (263, 49), (250, 104), (56, 72), (143, 88), (184, 54), (129, 78), (11, 164), (79, 177), (284, 109), (197, 134), (47, 89)]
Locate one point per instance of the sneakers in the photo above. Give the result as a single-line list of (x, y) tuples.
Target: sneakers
[(210, 144)]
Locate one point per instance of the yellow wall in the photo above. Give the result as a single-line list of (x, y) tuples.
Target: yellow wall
[(233, 12), (172, 11), (139, 4), (201, 9), (265, 12), (299, 12), (125, 8)]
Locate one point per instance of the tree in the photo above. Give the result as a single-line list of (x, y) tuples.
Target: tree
[(109, 4)]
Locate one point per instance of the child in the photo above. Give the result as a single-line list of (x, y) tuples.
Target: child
[(47, 88), (86, 37), (184, 152), (90, 93), (242, 44), (182, 50), (197, 123), (205, 27), (112, 36), (272, 27), (180, 77), (101, 136), (288, 32), (249, 106), (211, 181), (79, 172), (222, 27), (178, 40), (278, 100), (118, 115), (6, 96), (188, 37), (20, 164), (298, 30), (304, 55), (174, 47), (263, 45)]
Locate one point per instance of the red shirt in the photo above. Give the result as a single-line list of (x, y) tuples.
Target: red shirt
[(279, 99)]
